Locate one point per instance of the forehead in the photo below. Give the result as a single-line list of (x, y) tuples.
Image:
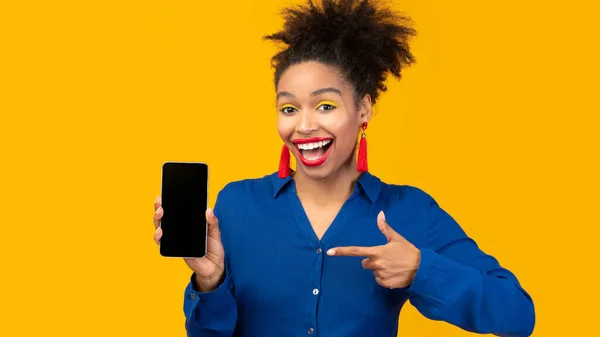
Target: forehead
[(303, 78)]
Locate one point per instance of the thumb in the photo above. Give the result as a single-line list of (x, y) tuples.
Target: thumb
[(213, 224), (388, 231)]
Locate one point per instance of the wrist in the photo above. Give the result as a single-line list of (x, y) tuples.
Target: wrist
[(416, 263), (208, 284)]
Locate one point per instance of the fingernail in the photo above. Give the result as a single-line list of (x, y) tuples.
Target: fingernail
[(157, 199), (382, 215), (331, 252), (209, 211)]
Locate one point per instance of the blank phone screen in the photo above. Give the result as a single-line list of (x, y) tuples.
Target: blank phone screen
[(184, 201)]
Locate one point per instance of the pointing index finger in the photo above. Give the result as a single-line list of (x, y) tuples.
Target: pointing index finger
[(352, 251)]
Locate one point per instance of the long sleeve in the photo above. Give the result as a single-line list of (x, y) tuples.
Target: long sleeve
[(214, 313), (458, 283)]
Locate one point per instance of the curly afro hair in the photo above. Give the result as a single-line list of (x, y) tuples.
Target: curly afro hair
[(360, 38)]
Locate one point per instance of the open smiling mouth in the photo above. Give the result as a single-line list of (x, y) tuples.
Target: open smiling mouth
[(313, 151)]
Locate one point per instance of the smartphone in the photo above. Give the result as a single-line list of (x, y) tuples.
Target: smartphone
[(184, 194)]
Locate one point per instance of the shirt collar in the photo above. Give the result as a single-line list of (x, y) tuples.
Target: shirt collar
[(370, 185), (367, 184), (279, 183)]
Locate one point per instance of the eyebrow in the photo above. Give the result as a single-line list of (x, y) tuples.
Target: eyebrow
[(314, 93)]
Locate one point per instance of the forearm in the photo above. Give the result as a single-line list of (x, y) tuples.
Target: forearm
[(210, 312), (478, 301)]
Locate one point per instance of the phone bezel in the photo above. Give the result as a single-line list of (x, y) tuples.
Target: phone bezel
[(206, 207)]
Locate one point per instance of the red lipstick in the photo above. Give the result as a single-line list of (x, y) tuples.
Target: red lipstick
[(316, 162), (310, 140)]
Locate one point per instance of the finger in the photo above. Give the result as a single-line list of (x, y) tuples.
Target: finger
[(157, 203), (383, 282), (352, 251), (158, 235), (213, 224), (370, 264), (157, 216), (387, 231), (381, 273), (384, 227)]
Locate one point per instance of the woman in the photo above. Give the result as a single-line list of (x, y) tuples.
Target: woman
[(329, 249)]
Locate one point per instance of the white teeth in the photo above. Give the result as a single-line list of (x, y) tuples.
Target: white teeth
[(310, 146)]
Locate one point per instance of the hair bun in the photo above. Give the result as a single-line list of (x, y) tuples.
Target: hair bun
[(364, 39)]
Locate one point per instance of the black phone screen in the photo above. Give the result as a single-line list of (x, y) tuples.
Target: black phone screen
[(184, 201)]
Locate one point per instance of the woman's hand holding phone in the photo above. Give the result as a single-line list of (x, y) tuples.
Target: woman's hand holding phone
[(210, 269)]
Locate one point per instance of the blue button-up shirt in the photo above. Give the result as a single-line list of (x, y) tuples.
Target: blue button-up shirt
[(280, 282)]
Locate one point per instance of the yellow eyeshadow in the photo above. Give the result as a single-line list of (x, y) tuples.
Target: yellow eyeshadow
[(328, 103), (288, 106)]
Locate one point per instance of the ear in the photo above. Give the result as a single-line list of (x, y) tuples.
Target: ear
[(365, 109)]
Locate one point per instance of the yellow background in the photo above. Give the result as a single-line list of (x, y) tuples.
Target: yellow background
[(498, 120)]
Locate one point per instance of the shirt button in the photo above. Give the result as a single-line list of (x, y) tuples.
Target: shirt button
[(193, 296), (319, 250), (311, 331), (315, 291)]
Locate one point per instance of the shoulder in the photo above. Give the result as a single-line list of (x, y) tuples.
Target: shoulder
[(423, 206), (239, 201), (418, 207), (248, 186), (412, 196), (240, 192)]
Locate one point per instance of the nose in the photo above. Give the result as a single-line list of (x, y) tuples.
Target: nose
[(306, 123)]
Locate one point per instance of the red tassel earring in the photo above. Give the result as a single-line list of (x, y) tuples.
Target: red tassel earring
[(284, 163), (361, 164)]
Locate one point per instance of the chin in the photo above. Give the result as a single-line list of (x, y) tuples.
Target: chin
[(320, 172)]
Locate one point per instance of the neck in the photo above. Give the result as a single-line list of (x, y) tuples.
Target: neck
[(333, 189)]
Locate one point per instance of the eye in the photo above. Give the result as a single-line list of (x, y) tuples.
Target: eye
[(326, 106), (288, 109)]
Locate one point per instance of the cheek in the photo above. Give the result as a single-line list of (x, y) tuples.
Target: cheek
[(347, 139), (345, 132), (285, 127)]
